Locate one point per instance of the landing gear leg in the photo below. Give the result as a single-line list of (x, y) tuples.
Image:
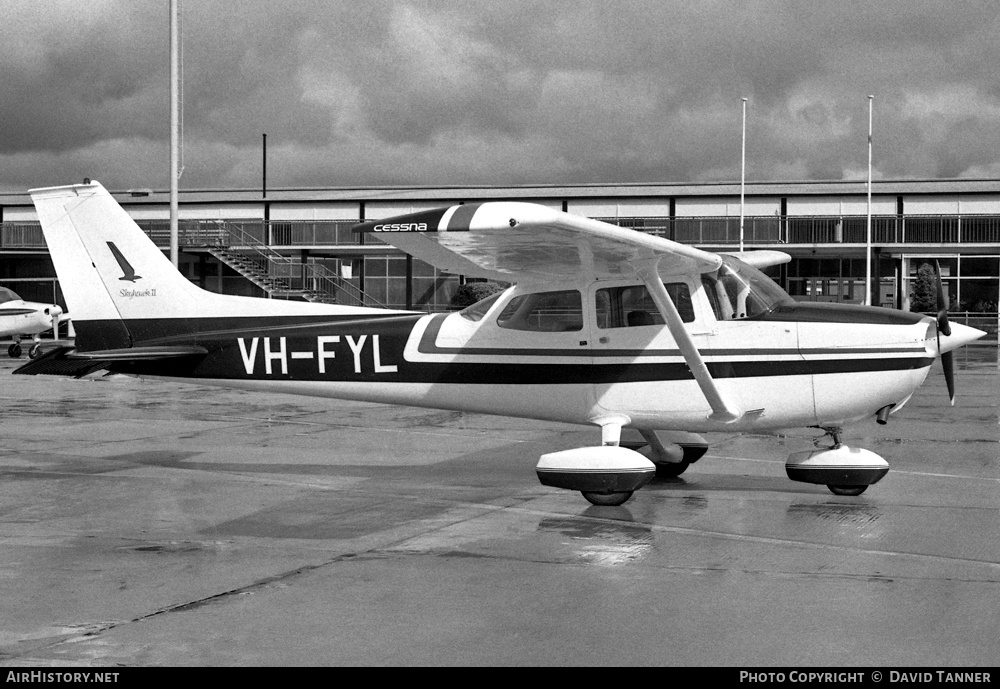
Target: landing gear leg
[(834, 433)]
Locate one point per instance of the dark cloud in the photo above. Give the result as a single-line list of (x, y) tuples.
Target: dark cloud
[(453, 91)]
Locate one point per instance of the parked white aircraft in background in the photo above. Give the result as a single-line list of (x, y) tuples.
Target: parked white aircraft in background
[(19, 318), (605, 326)]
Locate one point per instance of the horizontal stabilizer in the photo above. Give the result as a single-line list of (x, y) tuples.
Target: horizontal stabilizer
[(55, 362), (66, 361), (141, 353)]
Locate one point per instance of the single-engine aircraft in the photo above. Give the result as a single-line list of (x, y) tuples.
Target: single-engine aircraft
[(19, 318), (604, 326)]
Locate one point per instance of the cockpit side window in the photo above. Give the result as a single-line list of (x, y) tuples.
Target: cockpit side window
[(632, 306), (7, 295), (544, 312)]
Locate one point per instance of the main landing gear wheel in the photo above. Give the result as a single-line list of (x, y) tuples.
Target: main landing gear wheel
[(847, 490), (607, 499), (14, 350), (671, 469), (34, 351)]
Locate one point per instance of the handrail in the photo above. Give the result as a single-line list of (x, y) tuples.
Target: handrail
[(700, 230), (287, 274), (318, 274)]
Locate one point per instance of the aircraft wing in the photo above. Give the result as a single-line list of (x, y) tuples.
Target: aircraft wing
[(515, 241)]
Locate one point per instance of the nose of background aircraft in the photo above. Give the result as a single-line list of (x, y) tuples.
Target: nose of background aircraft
[(960, 335)]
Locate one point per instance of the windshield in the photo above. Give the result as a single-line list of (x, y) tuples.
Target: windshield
[(737, 290), (7, 295), (475, 312)]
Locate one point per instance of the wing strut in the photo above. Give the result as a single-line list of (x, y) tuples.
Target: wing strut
[(722, 409)]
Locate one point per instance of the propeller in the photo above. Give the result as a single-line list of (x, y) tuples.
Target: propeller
[(944, 328), (54, 312)]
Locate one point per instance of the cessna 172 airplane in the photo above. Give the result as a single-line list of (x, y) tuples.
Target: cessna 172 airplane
[(604, 326), (19, 317)]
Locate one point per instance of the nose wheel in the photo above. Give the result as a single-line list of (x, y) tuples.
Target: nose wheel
[(847, 490), (607, 499), (844, 470)]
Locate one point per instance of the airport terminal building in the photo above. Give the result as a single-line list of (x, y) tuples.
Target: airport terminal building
[(298, 243)]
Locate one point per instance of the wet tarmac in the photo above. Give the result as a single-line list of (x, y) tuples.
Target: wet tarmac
[(146, 523)]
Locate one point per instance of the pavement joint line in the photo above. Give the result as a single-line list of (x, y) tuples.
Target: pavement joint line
[(892, 470), (771, 540), (337, 426), (96, 629)]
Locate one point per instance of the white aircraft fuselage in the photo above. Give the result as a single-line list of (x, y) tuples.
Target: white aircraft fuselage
[(628, 331), (790, 368)]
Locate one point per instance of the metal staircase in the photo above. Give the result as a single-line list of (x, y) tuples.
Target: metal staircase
[(280, 276)]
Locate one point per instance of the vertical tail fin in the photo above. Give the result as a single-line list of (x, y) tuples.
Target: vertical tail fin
[(115, 279), (108, 267)]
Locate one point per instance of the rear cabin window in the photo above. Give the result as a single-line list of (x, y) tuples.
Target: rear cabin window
[(628, 307), (544, 312)]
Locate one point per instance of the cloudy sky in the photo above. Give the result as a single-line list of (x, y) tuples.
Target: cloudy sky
[(379, 92)]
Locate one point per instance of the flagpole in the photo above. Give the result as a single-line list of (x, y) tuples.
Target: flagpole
[(868, 246), (743, 172)]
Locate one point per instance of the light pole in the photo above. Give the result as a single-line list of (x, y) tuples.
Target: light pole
[(175, 127), (743, 172), (868, 242)]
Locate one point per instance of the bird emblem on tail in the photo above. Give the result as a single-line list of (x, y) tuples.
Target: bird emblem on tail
[(127, 269)]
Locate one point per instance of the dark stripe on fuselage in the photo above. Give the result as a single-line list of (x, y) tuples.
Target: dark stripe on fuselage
[(113, 333), (371, 350), (226, 364)]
